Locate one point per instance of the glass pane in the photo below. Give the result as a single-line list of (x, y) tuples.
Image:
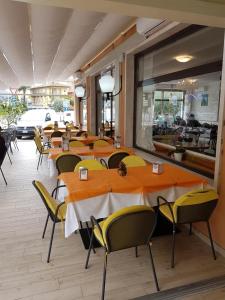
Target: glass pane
[(200, 46)]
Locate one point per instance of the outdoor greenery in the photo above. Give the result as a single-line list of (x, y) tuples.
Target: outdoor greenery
[(24, 89), (10, 112), (58, 106)]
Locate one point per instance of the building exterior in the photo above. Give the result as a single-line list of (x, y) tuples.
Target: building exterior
[(46, 95)]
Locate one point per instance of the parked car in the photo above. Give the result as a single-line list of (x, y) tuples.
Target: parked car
[(33, 118)]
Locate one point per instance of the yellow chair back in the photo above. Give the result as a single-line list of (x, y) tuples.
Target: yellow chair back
[(194, 198), (76, 144), (101, 143), (134, 161), (38, 143), (90, 164), (49, 201)]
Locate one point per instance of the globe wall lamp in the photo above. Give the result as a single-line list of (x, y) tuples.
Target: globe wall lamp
[(107, 85)]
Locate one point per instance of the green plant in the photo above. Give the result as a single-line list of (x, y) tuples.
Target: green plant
[(23, 89), (58, 106), (10, 112)]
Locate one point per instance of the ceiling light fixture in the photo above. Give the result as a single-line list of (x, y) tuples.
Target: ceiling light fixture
[(183, 58)]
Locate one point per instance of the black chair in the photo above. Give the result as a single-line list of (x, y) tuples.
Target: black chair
[(7, 137), (56, 134), (3, 151), (12, 131), (80, 133), (114, 160)]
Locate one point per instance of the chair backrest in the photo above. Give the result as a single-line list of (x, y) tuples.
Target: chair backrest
[(7, 136), (49, 202), (38, 143), (3, 150), (115, 159), (67, 162), (49, 127), (80, 133), (101, 143), (195, 206), (129, 227), (56, 134), (73, 143), (134, 161), (90, 164)]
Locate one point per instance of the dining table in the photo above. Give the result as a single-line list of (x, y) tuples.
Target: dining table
[(57, 141), (85, 152), (106, 191)]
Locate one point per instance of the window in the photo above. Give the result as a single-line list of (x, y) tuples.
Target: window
[(177, 103)]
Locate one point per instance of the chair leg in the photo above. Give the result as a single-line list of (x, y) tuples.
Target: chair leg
[(104, 276), (153, 268), (173, 246), (3, 176), (136, 251), (39, 159), (9, 157), (89, 250), (50, 245), (190, 229), (90, 236), (46, 223), (211, 240)]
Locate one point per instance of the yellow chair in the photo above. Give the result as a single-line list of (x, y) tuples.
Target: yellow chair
[(128, 227), (49, 127), (194, 206), (56, 211), (90, 164), (76, 144), (134, 161), (101, 143), (41, 149)]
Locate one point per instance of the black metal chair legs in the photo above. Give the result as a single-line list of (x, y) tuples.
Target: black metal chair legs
[(51, 240), (153, 268), (3, 176), (211, 240), (46, 223)]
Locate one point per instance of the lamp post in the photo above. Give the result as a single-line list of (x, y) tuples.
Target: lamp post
[(80, 92), (107, 84)]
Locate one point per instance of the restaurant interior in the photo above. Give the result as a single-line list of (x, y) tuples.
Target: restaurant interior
[(127, 200)]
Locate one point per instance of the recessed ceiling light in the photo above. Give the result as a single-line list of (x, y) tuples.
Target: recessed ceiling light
[(184, 58)]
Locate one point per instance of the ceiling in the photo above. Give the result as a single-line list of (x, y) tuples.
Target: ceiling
[(203, 12), (40, 44)]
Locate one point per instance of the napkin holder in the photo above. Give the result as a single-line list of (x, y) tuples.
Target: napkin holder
[(83, 173), (117, 142), (157, 168), (65, 144)]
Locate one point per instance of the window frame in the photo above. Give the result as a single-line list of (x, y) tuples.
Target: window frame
[(194, 71)]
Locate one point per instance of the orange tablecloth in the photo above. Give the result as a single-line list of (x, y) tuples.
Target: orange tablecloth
[(86, 151), (138, 180), (57, 141)]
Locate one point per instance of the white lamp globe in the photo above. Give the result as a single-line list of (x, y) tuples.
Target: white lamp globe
[(107, 83), (79, 91)]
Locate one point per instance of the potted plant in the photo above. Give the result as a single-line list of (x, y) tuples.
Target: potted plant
[(178, 153)]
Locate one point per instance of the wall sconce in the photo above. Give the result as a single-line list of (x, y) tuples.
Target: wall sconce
[(107, 85), (80, 92)]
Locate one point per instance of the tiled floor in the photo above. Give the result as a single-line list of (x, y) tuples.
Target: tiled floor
[(24, 273)]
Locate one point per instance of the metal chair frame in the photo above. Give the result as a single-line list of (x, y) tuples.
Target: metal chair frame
[(190, 229), (94, 223)]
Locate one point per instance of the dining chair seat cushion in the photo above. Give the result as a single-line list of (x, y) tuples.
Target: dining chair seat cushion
[(101, 143), (76, 144), (90, 164), (134, 161), (164, 209), (50, 201)]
